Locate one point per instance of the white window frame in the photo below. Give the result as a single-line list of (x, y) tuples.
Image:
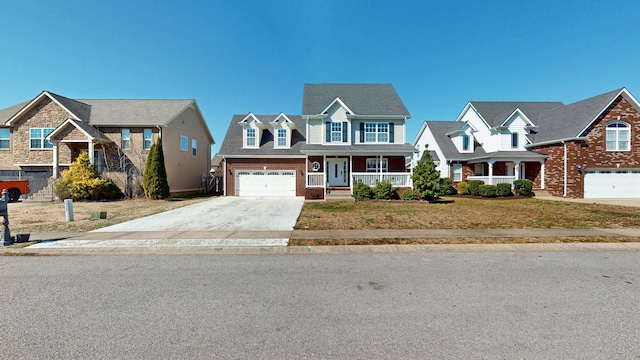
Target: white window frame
[(250, 137), (515, 140), (281, 138), (147, 141), (376, 132), (194, 147), (5, 139), (336, 131), (125, 139), (373, 165), (613, 132), (457, 172), (467, 138), (184, 143), (43, 143)]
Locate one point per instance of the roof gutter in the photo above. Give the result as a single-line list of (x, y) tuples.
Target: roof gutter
[(578, 138)]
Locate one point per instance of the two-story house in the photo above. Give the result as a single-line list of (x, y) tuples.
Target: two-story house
[(346, 133), (41, 137), (585, 149)]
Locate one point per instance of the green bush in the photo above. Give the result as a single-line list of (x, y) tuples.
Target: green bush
[(362, 191), (82, 182), (504, 189), (474, 186), (463, 188), (446, 187), (426, 177), (488, 190), (383, 190), (523, 187), (408, 194), (154, 179)]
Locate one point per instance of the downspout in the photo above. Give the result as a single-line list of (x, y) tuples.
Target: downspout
[(224, 176), (564, 193)]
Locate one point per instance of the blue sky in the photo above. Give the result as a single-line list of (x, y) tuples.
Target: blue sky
[(239, 56)]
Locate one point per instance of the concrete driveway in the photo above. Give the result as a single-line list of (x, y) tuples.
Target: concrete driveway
[(222, 214)]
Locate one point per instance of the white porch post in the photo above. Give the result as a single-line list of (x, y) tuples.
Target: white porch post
[(542, 174), (491, 162), (306, 170), (516, 169), (55, 160), (351, 173), (325, 172), (91, 148), (380, 168)]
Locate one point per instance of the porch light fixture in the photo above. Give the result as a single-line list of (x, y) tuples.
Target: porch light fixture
[(578, 168)]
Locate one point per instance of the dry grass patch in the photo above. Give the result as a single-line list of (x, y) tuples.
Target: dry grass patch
[(465, 213), (33, 217), (481, 240)]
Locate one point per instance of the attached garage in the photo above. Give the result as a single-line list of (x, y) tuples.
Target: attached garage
[(611, 184), (265, 183)]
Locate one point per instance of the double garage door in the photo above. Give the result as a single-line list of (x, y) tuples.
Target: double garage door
[(611, 184), (265, 183)]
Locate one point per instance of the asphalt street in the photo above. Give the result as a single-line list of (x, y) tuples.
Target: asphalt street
[(507, 305)]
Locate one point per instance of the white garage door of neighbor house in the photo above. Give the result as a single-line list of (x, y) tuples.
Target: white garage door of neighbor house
[(611, 184), (265, 183)]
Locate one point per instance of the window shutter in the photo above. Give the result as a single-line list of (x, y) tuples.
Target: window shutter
[(328, 132), (344, 131), (362, 133), (391, 132)]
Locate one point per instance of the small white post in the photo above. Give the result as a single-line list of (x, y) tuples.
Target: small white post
[(68, 209)]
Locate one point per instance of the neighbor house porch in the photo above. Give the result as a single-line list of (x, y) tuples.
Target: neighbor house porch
[(496, 170)]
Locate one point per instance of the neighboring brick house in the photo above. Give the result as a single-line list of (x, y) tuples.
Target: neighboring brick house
[(588, 149), (41, 137), (347, 133)]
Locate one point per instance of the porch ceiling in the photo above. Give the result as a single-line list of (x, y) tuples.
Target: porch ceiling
[(390, 149), (508, 156)]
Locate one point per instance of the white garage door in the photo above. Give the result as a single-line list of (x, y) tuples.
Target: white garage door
[(611, 184), (265, 183)]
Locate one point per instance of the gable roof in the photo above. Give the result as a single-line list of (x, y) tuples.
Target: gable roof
[(440, 129), (362, 99), (232, 145), (89, 131), (495, 113), (135, 112)]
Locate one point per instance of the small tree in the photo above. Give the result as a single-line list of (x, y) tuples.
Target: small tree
[(154, 180), (82, 182), (426, 177)]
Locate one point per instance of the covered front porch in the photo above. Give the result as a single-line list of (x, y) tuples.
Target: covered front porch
[(502, 168)]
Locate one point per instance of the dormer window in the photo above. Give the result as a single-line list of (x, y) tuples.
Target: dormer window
[(465, 142), (282, 129), (336, 131), (514, 140), (281, 140), (251, 137)]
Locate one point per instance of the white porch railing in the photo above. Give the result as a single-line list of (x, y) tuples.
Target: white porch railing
[(500, 179), (396, 179), (315, 180)]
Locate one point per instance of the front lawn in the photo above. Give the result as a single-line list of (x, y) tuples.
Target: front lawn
[(460, 212)]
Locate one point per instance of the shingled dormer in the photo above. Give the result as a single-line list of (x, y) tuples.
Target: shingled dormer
[(252, 129), (282, 129)]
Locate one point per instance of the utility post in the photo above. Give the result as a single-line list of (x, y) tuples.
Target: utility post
[(5, 234)]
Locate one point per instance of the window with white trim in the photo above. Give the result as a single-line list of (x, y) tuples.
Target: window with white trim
[(37, 138), (194, 147), (618, 136), (147, 140), (5, 138), (281, 135), (515, 140), (374, 165), (465, 142), (184, 143), (125, 142), (376, 132), (336, 131), (250, 137), (457, 172)]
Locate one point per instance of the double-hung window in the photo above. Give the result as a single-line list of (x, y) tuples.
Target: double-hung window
[(5, 136), (194, 147), (251, 137), (147, 139), (465, 142), (515, 140), (377, 165), (336, 131), (184, 143), (37, 138), (282, 137), (126, 139), (376, 132), (457, 172), (618, 136)]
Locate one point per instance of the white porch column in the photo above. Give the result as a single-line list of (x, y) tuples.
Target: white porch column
[(325, 172), (380, 168), (351, 173), (516, 169), (91, 149), (491, 162), (542, 174), (55, 160), (306, 170)]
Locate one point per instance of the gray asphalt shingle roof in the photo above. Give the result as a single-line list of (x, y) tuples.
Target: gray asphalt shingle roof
[(496, 112), (362, 99), (232, 143)]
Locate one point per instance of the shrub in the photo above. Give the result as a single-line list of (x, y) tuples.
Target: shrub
[(362, 191), (426, 177), (474, 186), (504, 189), (488, 190), (523, 187), (463, 188), (408, 194), (154, 179), (446, 187), (82, 182), (383, 190)]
